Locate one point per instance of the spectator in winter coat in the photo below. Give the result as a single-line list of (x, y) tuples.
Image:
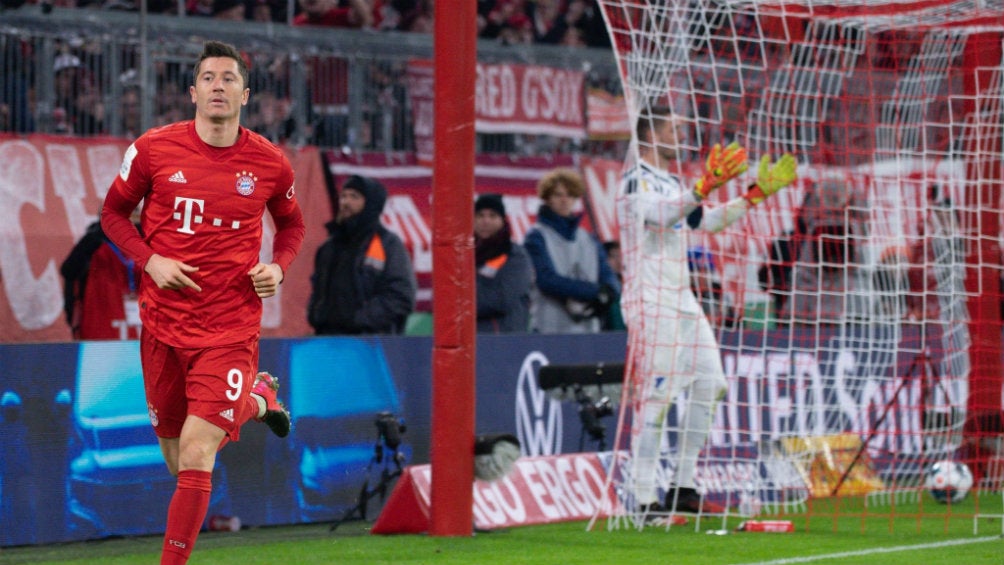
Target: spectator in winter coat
[(363, 281), (504, 271)]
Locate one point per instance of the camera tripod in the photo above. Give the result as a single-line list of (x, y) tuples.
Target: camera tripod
[(392, 467)]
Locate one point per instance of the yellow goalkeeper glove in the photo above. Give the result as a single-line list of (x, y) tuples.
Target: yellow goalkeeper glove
[(723, 165), (772, 178)]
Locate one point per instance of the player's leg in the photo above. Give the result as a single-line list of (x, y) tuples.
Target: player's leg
[(170, 447), (657, 358), (703, 360), (647, 441), (190, 502), (269, 409), (164, 384), (218, 386)]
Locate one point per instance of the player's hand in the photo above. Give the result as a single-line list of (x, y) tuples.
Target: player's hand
[(169, 274), (722, 166), (771, 178), (266, 279)]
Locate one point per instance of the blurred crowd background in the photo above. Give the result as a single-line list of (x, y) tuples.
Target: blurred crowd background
[(330, 73)]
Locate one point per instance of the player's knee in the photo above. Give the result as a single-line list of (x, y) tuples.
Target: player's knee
[(197, 455), (172, 467), (720, 387)]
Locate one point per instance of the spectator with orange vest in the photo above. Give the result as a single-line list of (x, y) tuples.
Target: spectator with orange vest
[(363, 280), (504, 270)]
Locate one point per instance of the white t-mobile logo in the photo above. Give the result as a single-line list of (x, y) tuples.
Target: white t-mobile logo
[(187, 206)]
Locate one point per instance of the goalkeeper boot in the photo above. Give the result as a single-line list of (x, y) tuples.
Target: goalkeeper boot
[(276, 416), (686, 499), (656, 514)]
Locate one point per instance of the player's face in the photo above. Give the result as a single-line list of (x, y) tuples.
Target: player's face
[(350, 203), (219, 90), (561, 202), (487, 223), (668, 135)]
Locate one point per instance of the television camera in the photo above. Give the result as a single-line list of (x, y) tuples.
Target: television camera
[(594, 387)]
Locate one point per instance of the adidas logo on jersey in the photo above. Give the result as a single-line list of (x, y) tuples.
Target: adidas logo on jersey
[(228, 414), (178, 177)]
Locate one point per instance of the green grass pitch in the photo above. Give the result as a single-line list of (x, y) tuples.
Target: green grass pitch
[(828, 535)]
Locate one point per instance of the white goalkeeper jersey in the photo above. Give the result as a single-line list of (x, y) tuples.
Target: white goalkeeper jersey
[(655, 212), (652, 211)]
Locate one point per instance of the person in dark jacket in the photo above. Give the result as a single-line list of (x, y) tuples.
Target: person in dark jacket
[(363, 280), (504, 270)]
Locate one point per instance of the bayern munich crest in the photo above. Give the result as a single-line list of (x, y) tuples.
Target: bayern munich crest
[(245, 183)]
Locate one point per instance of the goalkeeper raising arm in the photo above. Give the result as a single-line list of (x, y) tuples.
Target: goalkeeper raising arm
[(671, 341)]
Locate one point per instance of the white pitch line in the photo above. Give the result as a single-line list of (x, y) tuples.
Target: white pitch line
[(876, 550)]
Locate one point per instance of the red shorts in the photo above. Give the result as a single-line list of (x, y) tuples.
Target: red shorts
[(213, 384)]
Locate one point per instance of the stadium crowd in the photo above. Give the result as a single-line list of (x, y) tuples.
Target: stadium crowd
[(557, 22), (86, 87)]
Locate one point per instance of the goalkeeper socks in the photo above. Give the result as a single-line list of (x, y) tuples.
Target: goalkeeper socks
[(185, 515), (697, 426), (646, 456)]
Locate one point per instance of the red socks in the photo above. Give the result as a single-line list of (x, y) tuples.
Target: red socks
[(185, 516)]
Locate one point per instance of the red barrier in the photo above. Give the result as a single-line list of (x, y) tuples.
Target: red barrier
[(539, 490)]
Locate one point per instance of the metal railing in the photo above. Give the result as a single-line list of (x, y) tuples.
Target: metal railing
[(92, 72)]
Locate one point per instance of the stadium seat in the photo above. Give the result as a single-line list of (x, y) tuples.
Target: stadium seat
[(418, 323)]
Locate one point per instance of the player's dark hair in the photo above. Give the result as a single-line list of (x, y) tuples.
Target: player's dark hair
[(220, 49), (649, 118)]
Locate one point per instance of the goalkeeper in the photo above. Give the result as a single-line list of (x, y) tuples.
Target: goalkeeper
[(671, 342)]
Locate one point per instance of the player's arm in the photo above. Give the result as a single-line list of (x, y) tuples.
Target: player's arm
[(289, 233), (289, 225), (716, 219), (722, 165), (771, 177), (663, 211), (125, 194)]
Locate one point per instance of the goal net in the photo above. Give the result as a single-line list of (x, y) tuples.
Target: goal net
[(858, 310)]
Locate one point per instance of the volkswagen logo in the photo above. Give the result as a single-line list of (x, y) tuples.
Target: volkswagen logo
[(538, 416)]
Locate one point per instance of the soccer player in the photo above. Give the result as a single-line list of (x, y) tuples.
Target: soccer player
[(670, 339), (206, 184)]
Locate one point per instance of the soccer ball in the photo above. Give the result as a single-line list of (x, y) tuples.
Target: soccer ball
[(949, 481)]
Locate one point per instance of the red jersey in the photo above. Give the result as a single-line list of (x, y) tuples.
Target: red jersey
[(203, 205), (102, 307)]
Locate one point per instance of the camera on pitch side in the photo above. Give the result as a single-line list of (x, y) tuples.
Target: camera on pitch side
[(390, 428)]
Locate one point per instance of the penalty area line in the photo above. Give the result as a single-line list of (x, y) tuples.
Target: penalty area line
[(875, 551)]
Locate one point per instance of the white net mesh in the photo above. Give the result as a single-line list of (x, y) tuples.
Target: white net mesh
[(840, 304)]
